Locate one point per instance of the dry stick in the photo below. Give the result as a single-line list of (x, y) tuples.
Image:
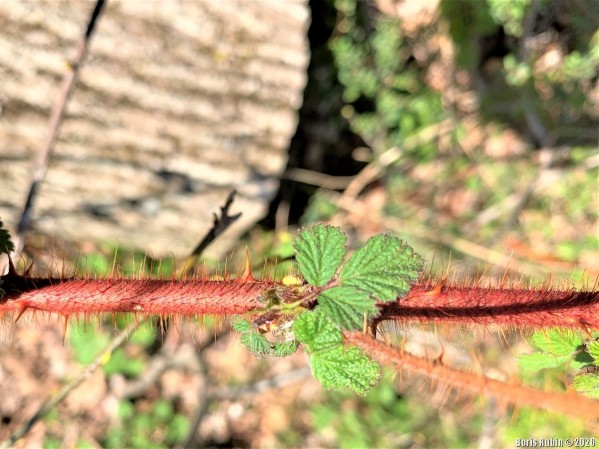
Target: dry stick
[(220, 224), (568, 403), (318, 179), (51, 403), (378, 166), (58, 111)]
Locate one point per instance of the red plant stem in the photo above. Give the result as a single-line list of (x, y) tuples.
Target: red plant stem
[(162, 297), (521, 307), (542, 307), (568, 403)]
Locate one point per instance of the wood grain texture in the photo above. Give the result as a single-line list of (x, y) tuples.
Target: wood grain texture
[(178, 103)]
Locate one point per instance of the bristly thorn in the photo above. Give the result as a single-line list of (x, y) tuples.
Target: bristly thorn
[(247, 271)]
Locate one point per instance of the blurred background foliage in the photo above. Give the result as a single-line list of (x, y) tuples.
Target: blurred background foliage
[(474, 127), (468, 127), (484, 116)]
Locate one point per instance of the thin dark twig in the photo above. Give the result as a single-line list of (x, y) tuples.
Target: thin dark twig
[(39, 172), (56, 117), (220, 225)]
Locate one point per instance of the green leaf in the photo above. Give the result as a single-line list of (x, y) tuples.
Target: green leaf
[(385, 267), (319, 252), (241, 325), (316, 331), (593, 350), (581, 360), (587, 384), (557, 341), (339, 368), (346, 306), (6, 244), (256, 343), (541, 360), (285, 349)]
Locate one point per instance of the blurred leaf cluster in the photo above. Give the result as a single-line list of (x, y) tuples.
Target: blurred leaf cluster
[(158, 427), (474, 101), (549, 54), (384, 418), (385, 98), (558, 347)]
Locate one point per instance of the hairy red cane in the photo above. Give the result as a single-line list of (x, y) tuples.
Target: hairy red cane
[(519, 307), (568, 403)]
